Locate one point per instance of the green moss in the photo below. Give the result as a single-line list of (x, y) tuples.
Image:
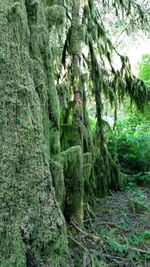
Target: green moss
[(54, 117), (54, 140), (32, 227), (72, 160), (66, 136), (55, 15), (58, 181), (2, 57), (18, 256), (117, 181), (54, 109), (77, 36), (15, 9), (88, 164), (63, 93)]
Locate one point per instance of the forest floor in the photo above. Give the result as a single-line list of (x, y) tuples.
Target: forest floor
[(119, 233)]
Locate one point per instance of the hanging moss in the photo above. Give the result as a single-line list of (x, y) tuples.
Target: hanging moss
[(88, 164), (117, 181), (102, 174), (89, 183), (77, 36), (63, 93), (72, 160), (66, 136), (2, 57), (54, 120), (55, 15)]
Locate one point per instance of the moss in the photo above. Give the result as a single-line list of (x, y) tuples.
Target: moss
[(72, 160), (107, 172), (3, 57), (54, 117), (53, 105), (102, 184), (89, 183), (32, 226), (58, 181), (18, 257), (15, 9), (88, 164), (77, 36), (55, 15), (117, 179), (54, 141), (66, 136), (63, 93)]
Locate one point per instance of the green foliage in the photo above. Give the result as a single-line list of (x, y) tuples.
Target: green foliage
[(144, 69), (133, 142), (114, 246), (116, 237), (30, 127), (93, 126), (138, 178)]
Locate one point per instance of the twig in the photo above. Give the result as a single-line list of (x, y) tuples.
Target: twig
[(95, 237), (84, 261), (113, 224), (78, 243), (98, 238), (138, 249)]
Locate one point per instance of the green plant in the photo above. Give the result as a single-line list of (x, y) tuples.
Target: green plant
[(132, 142), (93, 126), (144, 69), (114, 246)]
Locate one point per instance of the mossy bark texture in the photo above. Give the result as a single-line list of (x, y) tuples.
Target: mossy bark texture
[(32, 228), (37, 153), (72, 161)]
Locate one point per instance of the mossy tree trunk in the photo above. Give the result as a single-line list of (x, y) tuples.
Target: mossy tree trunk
[(75, 51), (72, 161), (31, 222), (32, 228)]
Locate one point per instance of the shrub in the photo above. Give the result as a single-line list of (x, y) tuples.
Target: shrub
[(133, 142)]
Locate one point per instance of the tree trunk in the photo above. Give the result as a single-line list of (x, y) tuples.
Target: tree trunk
[(32, 228)]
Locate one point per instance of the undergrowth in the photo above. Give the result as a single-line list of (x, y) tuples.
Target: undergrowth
[(118, 235)]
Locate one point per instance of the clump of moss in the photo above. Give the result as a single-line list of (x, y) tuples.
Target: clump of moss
[(88, 164), (72, 160), (58, 181), (2, 57), (55, 15), (77, 36)]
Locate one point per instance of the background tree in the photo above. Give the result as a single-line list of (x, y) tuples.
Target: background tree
[(144, 69)]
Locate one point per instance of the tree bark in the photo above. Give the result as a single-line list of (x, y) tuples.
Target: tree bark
[(32, 228)]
